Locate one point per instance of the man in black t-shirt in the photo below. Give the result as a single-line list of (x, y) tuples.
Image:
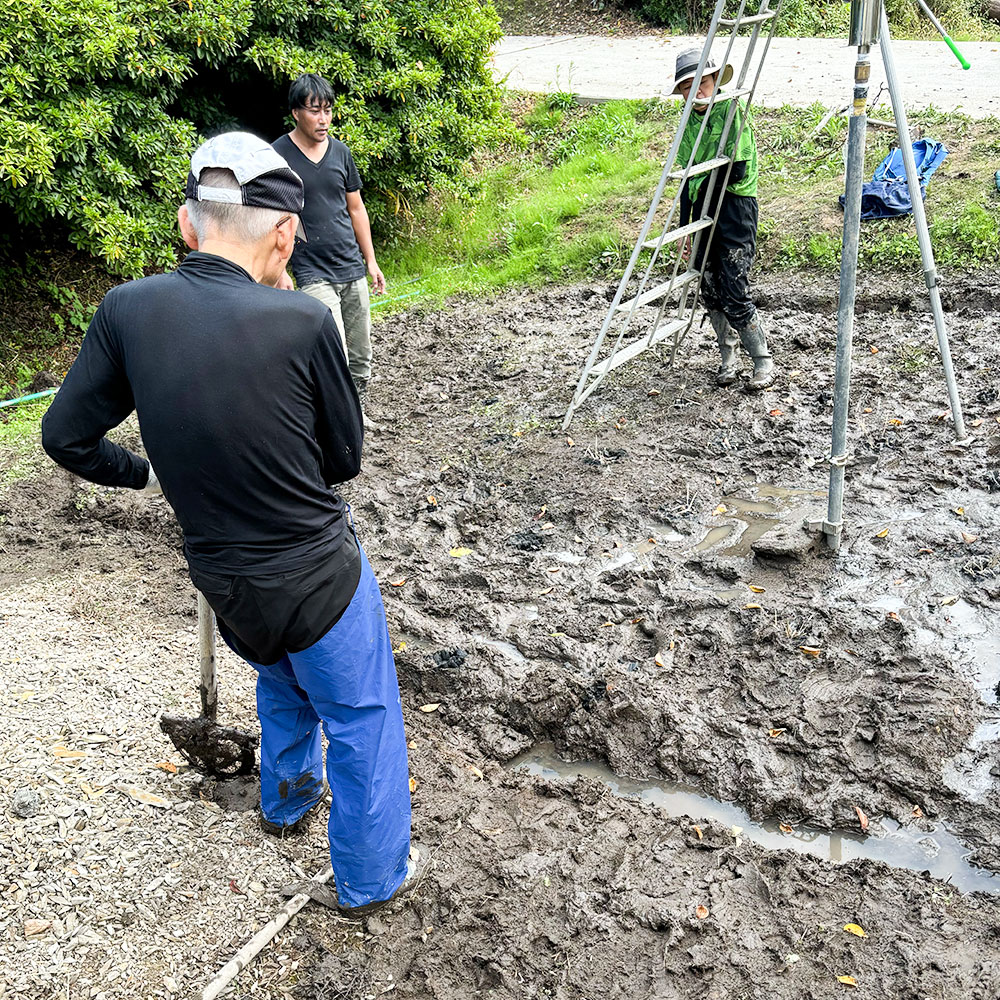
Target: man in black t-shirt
[(248, 414), (332, 265)]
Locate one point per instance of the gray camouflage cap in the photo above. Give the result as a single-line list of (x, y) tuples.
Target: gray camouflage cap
[(265, 179)]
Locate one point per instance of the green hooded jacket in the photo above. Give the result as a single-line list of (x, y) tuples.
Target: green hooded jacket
[(746, 150)]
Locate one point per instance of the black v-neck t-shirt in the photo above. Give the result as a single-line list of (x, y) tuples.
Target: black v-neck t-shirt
[(332, 252)]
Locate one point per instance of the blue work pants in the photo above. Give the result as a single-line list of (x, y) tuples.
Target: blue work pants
[(345, 682)]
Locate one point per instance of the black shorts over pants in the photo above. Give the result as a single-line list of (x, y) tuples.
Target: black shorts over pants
[(725, 285)]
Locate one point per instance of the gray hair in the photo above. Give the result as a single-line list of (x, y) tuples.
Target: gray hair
[(245, 224)]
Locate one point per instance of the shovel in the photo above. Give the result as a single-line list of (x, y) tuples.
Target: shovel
[(217, 750)]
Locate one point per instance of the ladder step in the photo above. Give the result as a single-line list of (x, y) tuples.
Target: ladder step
[(663, 332), (730, 22), (659, 292), (678, 234), (700, 168)]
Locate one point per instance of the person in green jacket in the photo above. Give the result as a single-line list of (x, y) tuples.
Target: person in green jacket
[(725, 284)]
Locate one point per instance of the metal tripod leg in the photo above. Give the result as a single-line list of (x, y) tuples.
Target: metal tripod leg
[(920, 218), (848, 285)]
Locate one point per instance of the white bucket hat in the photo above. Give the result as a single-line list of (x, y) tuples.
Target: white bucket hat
[(687, 66)]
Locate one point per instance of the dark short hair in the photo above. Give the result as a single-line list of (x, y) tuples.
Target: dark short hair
[(307, 87)]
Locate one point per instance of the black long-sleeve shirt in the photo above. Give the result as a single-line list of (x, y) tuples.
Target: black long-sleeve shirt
[(246, 408)]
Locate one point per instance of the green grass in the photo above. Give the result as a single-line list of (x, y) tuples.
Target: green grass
[(801, 177), (544, 212), (21, 455), (568, 204)]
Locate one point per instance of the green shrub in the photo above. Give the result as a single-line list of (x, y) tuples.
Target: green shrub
[(102, 101)]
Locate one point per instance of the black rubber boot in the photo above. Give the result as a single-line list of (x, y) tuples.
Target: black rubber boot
[(754, 340), (293, 829), (729, 343)]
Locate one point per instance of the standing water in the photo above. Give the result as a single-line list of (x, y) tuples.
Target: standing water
[(939, 852)]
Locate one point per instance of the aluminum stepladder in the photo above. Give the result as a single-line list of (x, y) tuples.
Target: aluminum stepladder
[(678, 293)]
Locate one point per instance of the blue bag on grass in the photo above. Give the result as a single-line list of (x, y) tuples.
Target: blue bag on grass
[(887, 195)]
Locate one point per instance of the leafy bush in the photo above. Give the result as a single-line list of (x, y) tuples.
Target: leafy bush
[(102, 101)]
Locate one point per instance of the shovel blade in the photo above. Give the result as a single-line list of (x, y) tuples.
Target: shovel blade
[(220, 751)]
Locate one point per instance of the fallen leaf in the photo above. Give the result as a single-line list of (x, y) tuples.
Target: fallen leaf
[(397, 583), (547, 526), (893, 615), (432, 707), (547, 590), (775, 733), (636, 621), (924, 552), (917, 813), (867, 409), (752, 607), (553, 569), (786, 828), (873, 349), (63, 753), (653, 392), (236, 888), (896, 422), (570, 442), (721, 509), (538, 516), (659, 660), (701, 911), (775, 413), (607, 625), (697, 830), (32, 928), (756, 590), (856, 929), (475, 770), (960, 511), (969, 539), (413, 785), (975, 423), (847, 980), (146, 798), (168, 766), (950, 599), (459, 553), (810, 650), (432, 501), (862, 818), (884, 533)]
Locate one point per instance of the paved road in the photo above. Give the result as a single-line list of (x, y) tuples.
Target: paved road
[(797, 71)]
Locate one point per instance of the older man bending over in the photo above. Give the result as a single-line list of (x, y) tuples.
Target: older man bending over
[(248, 414)]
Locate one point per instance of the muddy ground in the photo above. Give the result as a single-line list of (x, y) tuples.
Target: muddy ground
[(638, 591)]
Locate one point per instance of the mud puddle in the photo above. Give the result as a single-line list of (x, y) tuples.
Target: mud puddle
[(937, 852), (750, 519)]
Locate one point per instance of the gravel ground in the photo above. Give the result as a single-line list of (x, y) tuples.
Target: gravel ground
[(117, 879)]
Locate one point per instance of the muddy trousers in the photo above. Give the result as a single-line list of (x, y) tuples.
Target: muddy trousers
[(725, 284), (346, 683)]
